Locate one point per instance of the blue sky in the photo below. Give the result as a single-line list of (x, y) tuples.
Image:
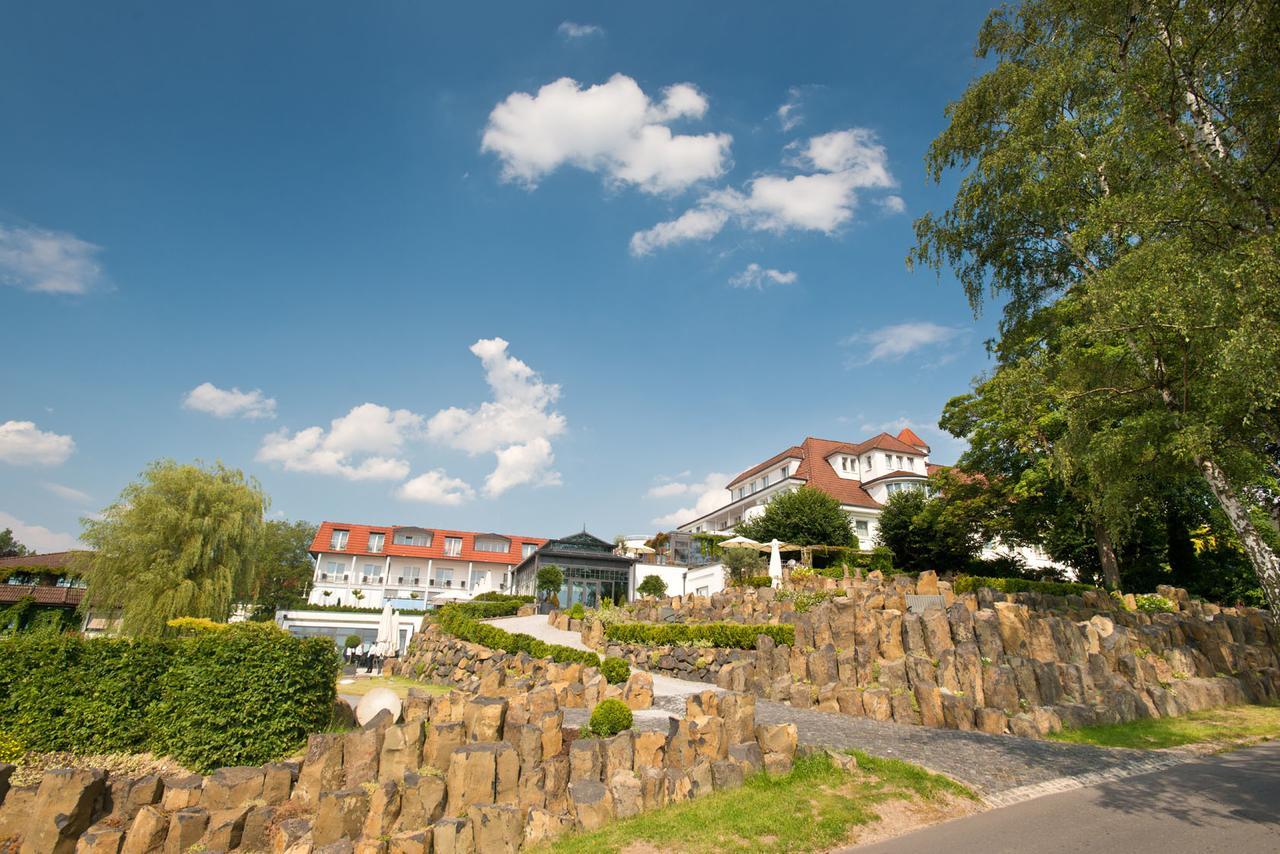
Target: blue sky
[(544, 264)]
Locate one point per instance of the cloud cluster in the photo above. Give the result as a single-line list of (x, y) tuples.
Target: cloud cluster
[(230, 403), (612, 129), (789, 116), (516, 426), (361, 445), (572, 31), (759, 278), (24, 444), (708, 494), (51, 262), (892, 343), (38, 537), (834, 166)]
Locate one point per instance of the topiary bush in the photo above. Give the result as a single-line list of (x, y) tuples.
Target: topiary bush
[(615, 670), (457, 620), (724, 635), (609, 718), (577, 612), (352, 641)]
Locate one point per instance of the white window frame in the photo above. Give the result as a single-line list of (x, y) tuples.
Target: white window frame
[(453, 546), (338, 539), (381, 541)]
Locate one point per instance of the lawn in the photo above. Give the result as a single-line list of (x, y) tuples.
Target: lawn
[(1223, 729), (813, 808), (358, 686)]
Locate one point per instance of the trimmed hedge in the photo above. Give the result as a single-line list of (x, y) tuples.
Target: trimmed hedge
[(970, 583), (495, 596), (460, 621), (486, 609), (615, 670), (722, 635), (244, 695), (609, 718)]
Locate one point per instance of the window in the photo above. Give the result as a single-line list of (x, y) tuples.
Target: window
[(764, 482), (861, 526), (785, 470), (376, 541), (901, 464), (888, 461), (410, 575), (338, 541), (409, 539), (372, 573), (844, 463), (335, 570), (868, 463), (492, 544), (453, 546), (444, 578), (528, 549)]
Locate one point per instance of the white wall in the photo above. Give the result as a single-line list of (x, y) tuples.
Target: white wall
[(705, 580), (672, 575)]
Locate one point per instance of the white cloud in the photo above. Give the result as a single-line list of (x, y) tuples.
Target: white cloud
[(696, 224), (69, 493), (755, 276), (38, 537), (789, 111), (666, 490), (521, 464), (51, 262), (22, 443), (612, 129), (230, 403), (367, 429), (517, 425), (843, 163), (571, 31), (892, 343), (893, 204), (711, 495), (436, 487)]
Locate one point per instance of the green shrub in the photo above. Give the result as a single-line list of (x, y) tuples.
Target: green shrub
[(615, 670), (243, 695), (459, 620), (652, 585), (723, 635), (352, 641), (487, 609), (881, 559), (1153, 603), (11, 749), (495, 596), (755, 581), (969, 584), (577, 612), (835, 571), (609, 718)]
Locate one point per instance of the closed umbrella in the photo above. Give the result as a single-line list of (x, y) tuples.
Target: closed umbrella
[(775, 561), (386, 644)]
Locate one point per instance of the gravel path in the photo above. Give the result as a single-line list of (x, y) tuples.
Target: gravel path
[(1003, 768)]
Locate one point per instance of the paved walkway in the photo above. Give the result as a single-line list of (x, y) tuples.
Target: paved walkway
[(1222, 803), (1003, 768)]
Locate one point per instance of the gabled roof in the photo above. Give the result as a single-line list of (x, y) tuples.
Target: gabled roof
[(815, 470), (885, 442), (909, 436), (795, 451), (52, 560), (358, 543)]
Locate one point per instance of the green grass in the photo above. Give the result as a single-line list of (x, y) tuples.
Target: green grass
[(1222, 728), (814, 807), (359, 686)]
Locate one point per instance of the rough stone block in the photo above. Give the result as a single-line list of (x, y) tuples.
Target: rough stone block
[(63, 809), (585, 760), (147, 832), (545, 826), (777, 738), (228, 788), (181, 792), (321, 769), (340, 814), (498, 828), (186, 828), (361, 750), (401, 750), (384, 809), (483, 718), (452, 836), (225, 830), (100, 839), (590, 803), (422, 800)]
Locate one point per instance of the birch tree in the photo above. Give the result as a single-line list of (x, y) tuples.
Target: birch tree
[(1120, 177)]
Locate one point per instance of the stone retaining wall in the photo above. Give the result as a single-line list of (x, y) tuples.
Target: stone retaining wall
[(1022, 663), (461, 773)]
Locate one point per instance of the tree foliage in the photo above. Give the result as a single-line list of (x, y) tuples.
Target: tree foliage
[(741, 564), (928, 533), (183, 540), (1120, 197), (549, 580), (652, 585), (285, 568), (9, 545), (802, 517)]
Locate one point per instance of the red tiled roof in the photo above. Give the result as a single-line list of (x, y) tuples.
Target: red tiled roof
[(43, 594), (814, 469), (909, 436), (794, 451), (885, 442), (358, 543), (52, 560)]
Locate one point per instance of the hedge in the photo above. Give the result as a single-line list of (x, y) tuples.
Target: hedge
[(245, 695), (970, 583), (461, 621), (495, 596), (722, 635)]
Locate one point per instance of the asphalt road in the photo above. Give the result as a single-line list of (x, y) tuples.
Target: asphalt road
[(1225, 803)]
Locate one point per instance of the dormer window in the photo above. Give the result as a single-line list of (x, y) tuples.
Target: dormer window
[(376, 541), (409, 538), (338, 540), (492, 544)]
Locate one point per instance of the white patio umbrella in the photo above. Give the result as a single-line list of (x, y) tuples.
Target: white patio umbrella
[(740, 543), (386, 644), (641, 550), (775, 560)]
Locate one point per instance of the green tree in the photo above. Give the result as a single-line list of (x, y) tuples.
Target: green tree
[(1120, 197), (182, 541), (549, 580), (285, 567), (741, 564), (935, 532), (802, 517), (653, 586), (9, 545)]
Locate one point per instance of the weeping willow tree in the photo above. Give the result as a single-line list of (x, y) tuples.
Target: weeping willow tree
[(182, 541)]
